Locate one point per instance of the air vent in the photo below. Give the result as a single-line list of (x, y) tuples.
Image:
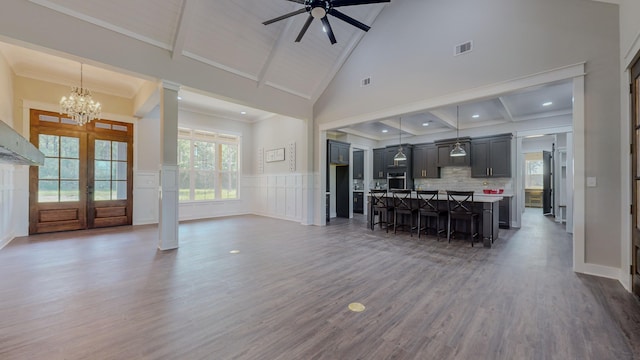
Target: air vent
[(366, 81), (463, 48)]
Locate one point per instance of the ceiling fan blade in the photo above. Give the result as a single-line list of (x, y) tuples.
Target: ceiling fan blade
[(304, 28), (293, 13), (297, 1), (328, 29), (337, 3), (346, 18)]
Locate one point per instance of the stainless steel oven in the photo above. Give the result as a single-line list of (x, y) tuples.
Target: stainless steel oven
[(397, 181)]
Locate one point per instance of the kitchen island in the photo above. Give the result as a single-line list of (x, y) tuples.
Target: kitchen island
[(487, 206)]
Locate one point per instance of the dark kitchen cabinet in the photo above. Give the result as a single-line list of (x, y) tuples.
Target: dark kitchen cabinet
[(444, 153), (358, 164), (504, 207), (379, 164), (491, 156), (338, 152), (358, 203), (425, 161)]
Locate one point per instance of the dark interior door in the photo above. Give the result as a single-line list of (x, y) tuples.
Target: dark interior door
[(342, 191), (635, 166), (547, 191)]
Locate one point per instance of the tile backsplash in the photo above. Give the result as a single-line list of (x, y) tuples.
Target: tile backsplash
[(459, 178)]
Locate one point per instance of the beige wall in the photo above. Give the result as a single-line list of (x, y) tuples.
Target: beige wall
[(512, 39), (26, 89), (6, 89)]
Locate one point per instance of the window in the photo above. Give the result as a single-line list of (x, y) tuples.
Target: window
[(533, 176), (208, 163)]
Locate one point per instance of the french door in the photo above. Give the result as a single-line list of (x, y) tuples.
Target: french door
[(86, 181), (635, 167)]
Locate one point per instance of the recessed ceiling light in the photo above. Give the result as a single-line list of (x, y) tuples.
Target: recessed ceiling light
[(475, 116), (385, 131), (547, 103), (425, 124), (243, 112)]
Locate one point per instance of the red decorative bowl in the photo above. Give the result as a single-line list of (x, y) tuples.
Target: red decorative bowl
[(493, 191)]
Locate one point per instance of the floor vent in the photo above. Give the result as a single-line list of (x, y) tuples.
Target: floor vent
[(463, 48)]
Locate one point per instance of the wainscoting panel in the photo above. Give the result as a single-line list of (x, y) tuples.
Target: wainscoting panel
[(278, 195), (145, 197), (6, 204)]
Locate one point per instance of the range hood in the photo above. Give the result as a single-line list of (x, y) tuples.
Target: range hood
[(15, 149)]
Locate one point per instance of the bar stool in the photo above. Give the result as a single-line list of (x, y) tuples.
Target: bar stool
[(428, 208), (379, 205), (460, 205), (403, 205)]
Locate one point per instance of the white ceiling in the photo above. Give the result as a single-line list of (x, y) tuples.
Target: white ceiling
[(229, 35)]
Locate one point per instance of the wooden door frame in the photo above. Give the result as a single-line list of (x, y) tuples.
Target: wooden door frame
[(102, 130)]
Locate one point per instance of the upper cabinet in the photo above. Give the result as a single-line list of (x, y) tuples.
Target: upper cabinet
[(425, 161), (338, 152), (399, 166), (444, 152), (491, 156), (358, 164), (379, 163)]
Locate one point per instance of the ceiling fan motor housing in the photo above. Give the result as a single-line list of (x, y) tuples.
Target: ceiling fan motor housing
[(318, 8)]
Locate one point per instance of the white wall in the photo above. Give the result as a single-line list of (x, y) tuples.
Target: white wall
[(278, 189), (8, 191), (629, 48), (512, 40), (146, 166)]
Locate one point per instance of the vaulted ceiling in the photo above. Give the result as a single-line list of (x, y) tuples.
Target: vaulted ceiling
[(229, 35)]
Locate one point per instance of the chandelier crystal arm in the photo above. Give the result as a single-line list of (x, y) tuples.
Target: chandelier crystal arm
[(80, 106)]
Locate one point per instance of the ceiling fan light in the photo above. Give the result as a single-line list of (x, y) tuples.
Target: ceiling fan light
[(318, 12), (457, 151)]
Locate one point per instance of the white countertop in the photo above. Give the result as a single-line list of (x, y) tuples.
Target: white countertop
[(477, 197)]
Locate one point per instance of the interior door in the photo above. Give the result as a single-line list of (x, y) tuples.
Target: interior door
[(86, 181), (547, 191), (342, 191), (635, 165)]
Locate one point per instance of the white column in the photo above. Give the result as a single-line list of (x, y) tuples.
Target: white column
[(168, 226)]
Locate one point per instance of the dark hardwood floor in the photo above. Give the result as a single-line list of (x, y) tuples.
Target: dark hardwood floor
[(109, 294)]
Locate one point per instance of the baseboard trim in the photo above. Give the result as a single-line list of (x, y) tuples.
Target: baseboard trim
[(599, 270)]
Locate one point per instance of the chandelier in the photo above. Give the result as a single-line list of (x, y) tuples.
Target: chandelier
[(79, 105)]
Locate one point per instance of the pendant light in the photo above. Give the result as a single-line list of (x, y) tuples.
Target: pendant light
[(400, 156), (457, 149)]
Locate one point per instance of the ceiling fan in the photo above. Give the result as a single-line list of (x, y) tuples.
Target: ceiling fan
[(319, 9)]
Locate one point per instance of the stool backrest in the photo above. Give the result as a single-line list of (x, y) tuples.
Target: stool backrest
[(460, 201), (402, 199), (378, 198), (427, 200)]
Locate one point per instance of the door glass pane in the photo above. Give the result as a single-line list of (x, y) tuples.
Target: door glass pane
[(69, 191), (119, 151), (48, 144), (70, 169), (48, 191), (70, 147), (119, 170), (102, 170), (119, 190), (50, 170), (103, 149), (102, 190)]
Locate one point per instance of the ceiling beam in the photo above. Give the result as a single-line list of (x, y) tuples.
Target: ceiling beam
[(360, 134), (545, 115), (445, 118), (276, 48), (186, 19), (504, 109)]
